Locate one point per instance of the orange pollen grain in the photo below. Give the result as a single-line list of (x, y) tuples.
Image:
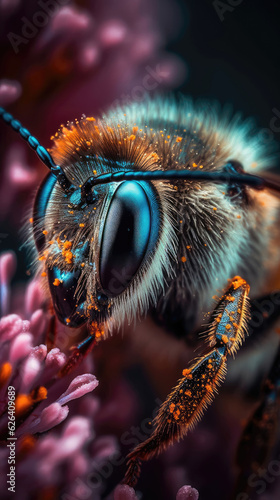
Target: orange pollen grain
[(172, 407), (68, 320), (90, 119), (230, 298), (214, 208), (134, 130), (155, 156), (224, 339), (238, 282), (68, 256), (5, 372), (81, 225), (31, 220), (43, 274), (45, 231), (186, 371), (183, 259), (132, 137), (57, 282), (22, 403), (179, 139), (27, 443), (41, 393), (228, 326), (67, 244)]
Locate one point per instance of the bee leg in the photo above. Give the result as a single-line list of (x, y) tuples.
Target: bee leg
[(195, 391), (259, 435), (78, 354)]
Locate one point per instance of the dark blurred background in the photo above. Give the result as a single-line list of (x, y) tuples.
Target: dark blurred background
[(236, 59)]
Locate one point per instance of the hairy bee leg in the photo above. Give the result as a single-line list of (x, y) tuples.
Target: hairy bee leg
[(195, 391), (260, 433), (78, 353)]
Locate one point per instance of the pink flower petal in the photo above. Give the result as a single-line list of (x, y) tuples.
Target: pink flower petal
[(78, 466), (34, 297), (55, 358), (12, 325), (10, 90), (104, 447), (76, 434), (37, 323), (89, 56), (112, 33), (79, 386), (31, 367), (51, 416), (21, 347), (187, 493), (8, 266), (7, 270), (124, 492), (70, 19)]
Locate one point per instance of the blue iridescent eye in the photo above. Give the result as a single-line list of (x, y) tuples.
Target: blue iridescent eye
[(126, 237)]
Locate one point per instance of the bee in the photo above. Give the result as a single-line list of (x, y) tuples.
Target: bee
[(150, 209)]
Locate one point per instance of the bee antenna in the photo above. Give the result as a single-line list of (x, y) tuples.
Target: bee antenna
[(42, 153), (190, 175)]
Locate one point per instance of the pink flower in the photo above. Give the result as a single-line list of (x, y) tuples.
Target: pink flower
[(124, 492), (43, 400)]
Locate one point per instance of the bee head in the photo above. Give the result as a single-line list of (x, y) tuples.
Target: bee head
[(146, 204)]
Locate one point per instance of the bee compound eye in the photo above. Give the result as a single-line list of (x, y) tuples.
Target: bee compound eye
[(68, 307), (125, 238)]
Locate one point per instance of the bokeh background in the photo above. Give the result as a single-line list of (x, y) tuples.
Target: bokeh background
[(87, 56)]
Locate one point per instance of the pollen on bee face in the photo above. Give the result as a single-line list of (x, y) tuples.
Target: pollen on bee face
[(57, 282)]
